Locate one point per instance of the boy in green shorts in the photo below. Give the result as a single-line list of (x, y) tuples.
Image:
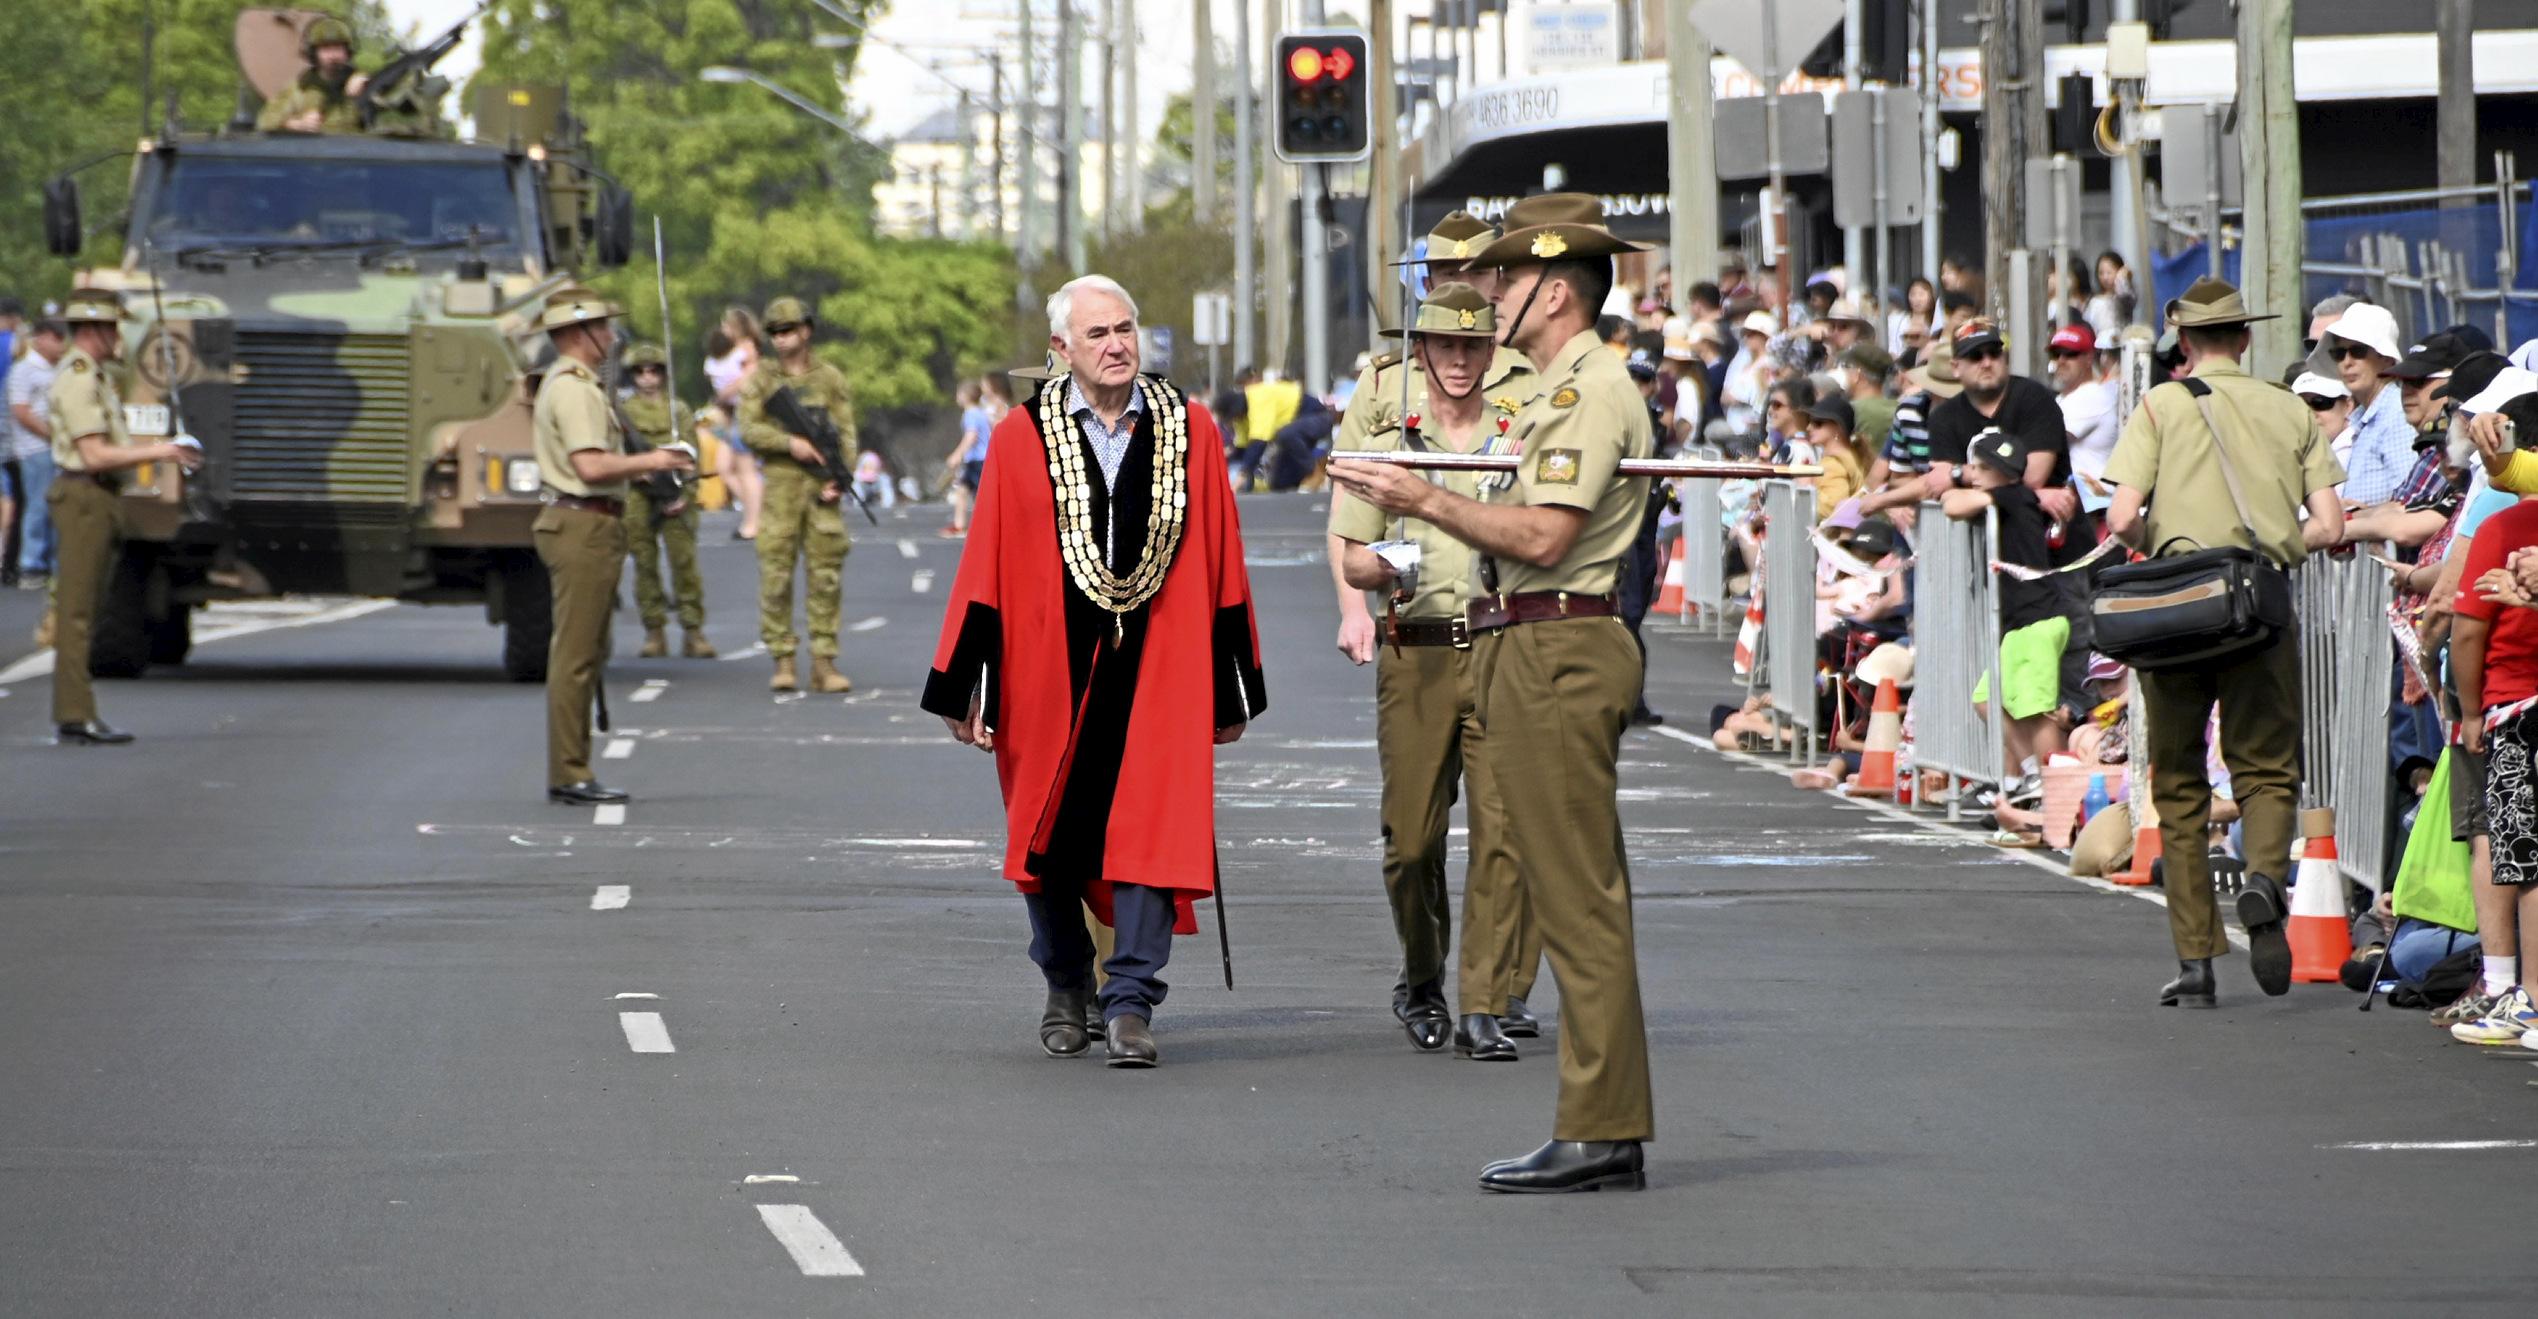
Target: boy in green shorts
[(2035, 616)]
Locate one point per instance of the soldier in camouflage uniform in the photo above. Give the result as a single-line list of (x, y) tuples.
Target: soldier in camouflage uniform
[(800, 511), (322, 99), (658, 418)]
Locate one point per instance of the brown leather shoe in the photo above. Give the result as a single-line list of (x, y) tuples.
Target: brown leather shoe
[(784, 681), (826, 678), (1132, 1043), (697, 647), (656, 643), (1062, 1033)]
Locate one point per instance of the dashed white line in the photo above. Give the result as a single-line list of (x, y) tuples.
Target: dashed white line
[(651, 689), (645, 1032), (618, 748), (873, 623), (814, 1248), (751, 651), (921, 581), (611, 897), (2411, 1145), (907, 548), (610, 813)]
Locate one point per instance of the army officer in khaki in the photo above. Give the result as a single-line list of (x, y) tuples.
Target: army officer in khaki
[(1427, 727), (581, 533), (92, 455), (1558, 671)]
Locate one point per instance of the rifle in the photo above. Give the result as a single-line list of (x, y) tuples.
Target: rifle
[(402, 78), (1660, 468), (786, 409)]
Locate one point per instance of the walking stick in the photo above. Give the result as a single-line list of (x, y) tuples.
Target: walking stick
[(1224, 939)]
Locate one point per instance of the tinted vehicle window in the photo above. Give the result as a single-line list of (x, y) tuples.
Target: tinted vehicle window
[(212, 202)]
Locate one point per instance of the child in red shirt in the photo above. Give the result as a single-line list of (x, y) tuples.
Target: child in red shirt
[(2494, 659)]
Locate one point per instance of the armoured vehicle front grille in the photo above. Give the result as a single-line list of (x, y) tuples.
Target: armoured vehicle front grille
[(322, 419)]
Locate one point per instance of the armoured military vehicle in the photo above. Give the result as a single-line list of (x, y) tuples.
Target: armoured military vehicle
[(343, 321)]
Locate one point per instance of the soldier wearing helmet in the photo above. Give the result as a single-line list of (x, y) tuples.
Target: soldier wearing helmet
[(655, 414), (799, 512), (324, 98)]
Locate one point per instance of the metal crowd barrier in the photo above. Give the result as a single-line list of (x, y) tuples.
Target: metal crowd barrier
[(1704, 551), (1956, 643), (1789, 606), (2346, 656)]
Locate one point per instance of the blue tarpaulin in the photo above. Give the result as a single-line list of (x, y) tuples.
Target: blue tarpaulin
[(2473, 231)]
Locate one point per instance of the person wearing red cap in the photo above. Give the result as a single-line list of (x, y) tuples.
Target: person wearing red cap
[(2088, 400)]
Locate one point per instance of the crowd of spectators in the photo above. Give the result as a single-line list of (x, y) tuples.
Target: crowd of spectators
[(28, 350)]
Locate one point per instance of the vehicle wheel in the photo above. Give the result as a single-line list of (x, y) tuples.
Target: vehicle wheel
[(527, 618), (119, 644), (172, 637)]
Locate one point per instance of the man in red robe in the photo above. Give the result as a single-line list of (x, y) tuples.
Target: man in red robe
[(1099, 640)]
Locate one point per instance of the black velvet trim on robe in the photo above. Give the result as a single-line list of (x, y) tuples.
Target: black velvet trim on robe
[(973, 667), (1102, 676), (1241, 693)]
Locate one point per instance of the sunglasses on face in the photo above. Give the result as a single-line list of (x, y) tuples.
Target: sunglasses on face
[(2318, 403), (2348, 352), (648, 371), (1979, 355)]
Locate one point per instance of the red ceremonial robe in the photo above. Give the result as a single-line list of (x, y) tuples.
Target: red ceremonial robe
[(1105, 745)]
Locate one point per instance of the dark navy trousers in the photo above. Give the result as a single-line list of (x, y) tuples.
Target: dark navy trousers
[(1063, 946)]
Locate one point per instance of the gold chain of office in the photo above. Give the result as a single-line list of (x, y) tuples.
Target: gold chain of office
[(1167, 511)]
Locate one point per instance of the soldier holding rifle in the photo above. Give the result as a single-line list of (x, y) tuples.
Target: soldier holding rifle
[(799, 513)]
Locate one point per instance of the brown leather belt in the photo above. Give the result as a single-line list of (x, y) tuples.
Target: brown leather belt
[(1489, 613), (615, 508), (1455, 632), (105, 481)]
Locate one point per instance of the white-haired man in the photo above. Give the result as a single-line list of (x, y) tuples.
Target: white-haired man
[(1099, 641)]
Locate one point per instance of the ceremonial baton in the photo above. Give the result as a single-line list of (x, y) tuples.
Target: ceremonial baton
[(1508, 462)]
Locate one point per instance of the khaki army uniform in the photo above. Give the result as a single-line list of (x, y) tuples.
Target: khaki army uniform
[(87, 524), (1427, 725), (1555, 697), (581, 537), (792, 519), (648, 532), (337, 113)]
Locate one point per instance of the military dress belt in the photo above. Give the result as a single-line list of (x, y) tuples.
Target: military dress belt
[(615, 508), (1455, 632), (1489, 613)]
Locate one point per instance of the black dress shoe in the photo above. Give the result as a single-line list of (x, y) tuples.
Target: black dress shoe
[(1480, 1040), (2193, 986), (1062, 1033), (1518, 1021), (1094, 1027), (1570, 1165), (2261, 907), (1132, 1043), (91, 732), (1424, 1014), (588, 792)]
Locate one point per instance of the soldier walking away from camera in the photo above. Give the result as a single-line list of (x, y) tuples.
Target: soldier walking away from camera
[(652, 530), (92, 456), (2174, 496), (581, 533), (1427, 698), (800, 512), (1559, 672)]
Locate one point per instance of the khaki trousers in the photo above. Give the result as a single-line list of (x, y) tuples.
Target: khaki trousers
[(584, 551), (1555, 697), (1428, 738), (2259, 695), (87, 526)]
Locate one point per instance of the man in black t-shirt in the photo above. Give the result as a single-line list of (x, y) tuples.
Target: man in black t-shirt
[(2024, 409)]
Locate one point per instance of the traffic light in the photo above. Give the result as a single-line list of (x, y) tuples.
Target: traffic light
[(1885, 40), (1325, 102)]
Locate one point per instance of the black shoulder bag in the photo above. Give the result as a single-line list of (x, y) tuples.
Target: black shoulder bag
[(2172, 611)]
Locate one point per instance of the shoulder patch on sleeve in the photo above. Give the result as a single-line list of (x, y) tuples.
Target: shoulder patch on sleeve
[(1557, 467), (1384, 361), (1564, 397), (79, 365)]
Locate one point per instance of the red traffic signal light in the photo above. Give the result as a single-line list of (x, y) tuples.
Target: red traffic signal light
[(1325, 112), (1304, 64)]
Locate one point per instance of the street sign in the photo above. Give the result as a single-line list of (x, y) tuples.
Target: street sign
[(1157, 356), (1857, 155), (1212, 319), (1738, 27), (1571, 36), (2045, 177), (1738, 130), (2185, 156)]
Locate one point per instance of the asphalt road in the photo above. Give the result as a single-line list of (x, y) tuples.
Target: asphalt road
[(315, 1007)]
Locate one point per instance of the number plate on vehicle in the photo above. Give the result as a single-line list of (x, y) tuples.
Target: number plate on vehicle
[(145, 418)]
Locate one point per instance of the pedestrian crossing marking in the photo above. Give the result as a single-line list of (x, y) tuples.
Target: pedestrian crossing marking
[(611, 897), (618, 748), (815, 1249), (646, 1032)]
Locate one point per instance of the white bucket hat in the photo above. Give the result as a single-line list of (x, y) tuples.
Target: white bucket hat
[(2370, 326)]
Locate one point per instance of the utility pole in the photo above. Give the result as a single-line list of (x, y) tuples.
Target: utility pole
[(1026, 234), (1133, 161), (969, 165), (1854, 241), (1245, 203), (1203, 113), (1070, 115), (2013, 131), (2131, 218), (1110, 120), (1931, 210), (996, 121), (1277, 239), (1691, 154), (2271, 248), (2454, 104), (1317, 259), (1387, 230)]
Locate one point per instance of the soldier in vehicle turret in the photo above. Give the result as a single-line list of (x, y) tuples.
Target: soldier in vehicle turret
[(326, 96)]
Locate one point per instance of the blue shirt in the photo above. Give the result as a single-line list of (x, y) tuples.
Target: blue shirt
[(2383, 450), (1110, 447), (976, 427)]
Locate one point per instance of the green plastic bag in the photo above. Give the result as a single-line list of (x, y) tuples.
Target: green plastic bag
[(2434, 874)]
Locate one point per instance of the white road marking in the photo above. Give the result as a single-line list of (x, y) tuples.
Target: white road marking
[(2434, 1145), (637, 994), (907, 548), (610, 813), (618, 748), (651, 689), (814, 1248), (921, 581), (762, 1178), (611, 897), (645, 1032), (1936, 825), (40, 663), (751, 651), (869, 624)]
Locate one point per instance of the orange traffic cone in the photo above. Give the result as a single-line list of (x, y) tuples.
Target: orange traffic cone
[(1748, 636), (1670, 596), (2145, 842), (1885, 736), (2321, 929)]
